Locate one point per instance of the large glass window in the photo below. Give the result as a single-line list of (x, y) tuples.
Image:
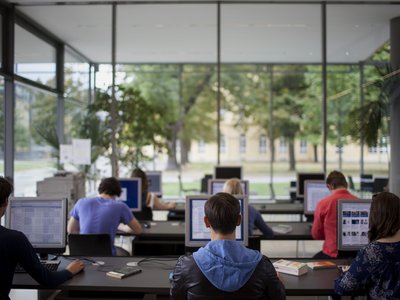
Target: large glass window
[(1, 40), (271, 69), (2, 119), (174, 78), (34, 58), (36, 140), (358, 40)]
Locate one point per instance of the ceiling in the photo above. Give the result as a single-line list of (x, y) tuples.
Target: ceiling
[(187, 32)]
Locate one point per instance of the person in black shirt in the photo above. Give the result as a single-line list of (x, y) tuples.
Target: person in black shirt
[(15, 248)]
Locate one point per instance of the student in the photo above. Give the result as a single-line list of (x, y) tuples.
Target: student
[(234, 187), (376, 269), (16, 249), (325, 216), (103, 214), (150, 200), (224, 268)]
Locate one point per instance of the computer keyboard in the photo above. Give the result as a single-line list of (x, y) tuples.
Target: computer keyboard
[(51, 265)]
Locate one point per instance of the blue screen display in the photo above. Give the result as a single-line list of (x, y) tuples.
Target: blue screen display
[(131, 193)]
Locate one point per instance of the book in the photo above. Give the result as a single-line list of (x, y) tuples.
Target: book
[(282, 228), (325, 264), (124, 272), (290, 267)]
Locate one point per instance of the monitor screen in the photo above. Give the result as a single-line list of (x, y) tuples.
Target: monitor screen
[(314, 191), (217, 185), (42, 220), (131, 192), (197, 234), (226, 172), (352, 225), (154, 179), (301, 177)]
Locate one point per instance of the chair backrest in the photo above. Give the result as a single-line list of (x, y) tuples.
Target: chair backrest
[(90, 244)]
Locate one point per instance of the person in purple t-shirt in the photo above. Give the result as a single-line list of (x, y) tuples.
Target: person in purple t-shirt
[(103, 214)]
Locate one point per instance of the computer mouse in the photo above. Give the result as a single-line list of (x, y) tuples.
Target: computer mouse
[(146, 225), (99, 263), (132, 264)]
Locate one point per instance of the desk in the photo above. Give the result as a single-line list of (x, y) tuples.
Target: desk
[(168, 237), (264, 208), (155, 279)]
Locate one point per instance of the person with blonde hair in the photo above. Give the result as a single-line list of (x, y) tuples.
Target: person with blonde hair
[(233, 186)]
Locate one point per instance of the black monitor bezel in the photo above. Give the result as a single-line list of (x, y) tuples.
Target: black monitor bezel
[(300, 178), (240, 168)]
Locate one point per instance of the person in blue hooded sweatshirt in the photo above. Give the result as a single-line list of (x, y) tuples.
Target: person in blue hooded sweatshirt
[(225, 268)]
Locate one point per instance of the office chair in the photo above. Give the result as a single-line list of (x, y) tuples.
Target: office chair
[(181, 189), (90, 244), (351, 183)]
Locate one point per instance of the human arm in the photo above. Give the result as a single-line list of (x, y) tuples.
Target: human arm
[(73, 225), (260, 224), (178, 288), (75, 267), (28, 259), (133, 227), (275, 288), (158, 204), (356, 278), (317, 229)]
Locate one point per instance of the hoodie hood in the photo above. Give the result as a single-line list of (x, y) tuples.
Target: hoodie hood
[(227, 264)]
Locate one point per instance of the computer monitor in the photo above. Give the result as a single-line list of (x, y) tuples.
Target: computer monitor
[(131, 192), (196, 233), (42, 220), (217, 185), (380, 184), (352, 224), (227, 172), (301, 177), (314, 191), (154, 179)]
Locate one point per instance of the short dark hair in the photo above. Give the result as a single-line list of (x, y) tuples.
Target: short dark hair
[(336, 179), (6, 188), (110, 186), (222, 211), (384, 220), (141, 174)]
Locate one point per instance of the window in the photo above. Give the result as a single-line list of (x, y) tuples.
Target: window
[(303, 146), (202, 146), (223, 144), (283, 145), (242, 143), (34, 58), (262, 144)]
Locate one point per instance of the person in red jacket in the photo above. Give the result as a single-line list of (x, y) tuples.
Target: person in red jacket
[(325, 217)]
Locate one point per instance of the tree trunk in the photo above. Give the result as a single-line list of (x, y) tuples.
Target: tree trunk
[(292, 157), (172, 163), (185, 149), (315, 147), (272, 149)]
